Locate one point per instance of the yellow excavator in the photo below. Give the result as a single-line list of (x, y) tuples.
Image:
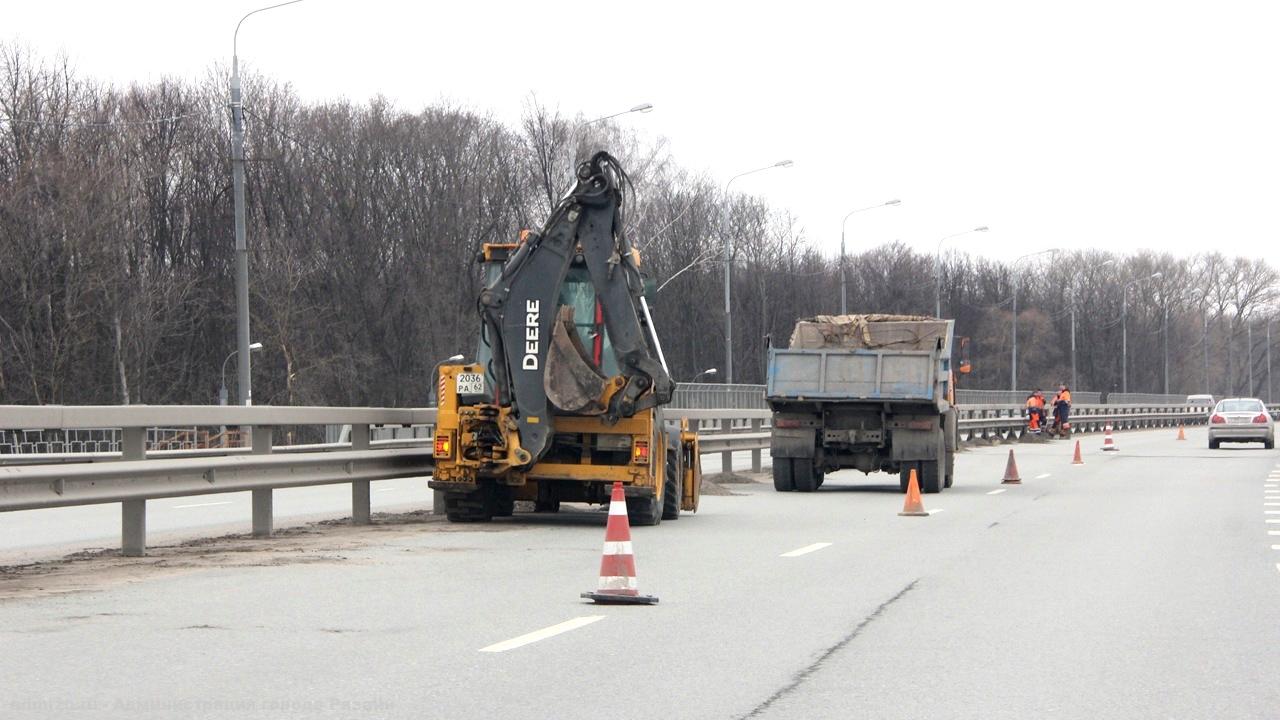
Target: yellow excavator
[(567, 392)]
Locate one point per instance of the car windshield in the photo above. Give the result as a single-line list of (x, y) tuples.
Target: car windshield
[(1240, 406)]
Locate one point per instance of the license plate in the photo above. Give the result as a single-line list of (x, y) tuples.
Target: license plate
[(1239, 420), (469, 384)]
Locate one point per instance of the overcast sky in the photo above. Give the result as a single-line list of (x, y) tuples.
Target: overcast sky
[(1119, 125)]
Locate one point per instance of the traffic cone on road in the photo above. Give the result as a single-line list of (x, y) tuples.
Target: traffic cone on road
[(914, 506), (1078, 460), (1108, 442), (618, 563), (1182, 434), (1011, 472)]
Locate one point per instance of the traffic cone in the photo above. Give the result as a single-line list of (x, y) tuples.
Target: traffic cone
[(1108, 442), (1011, 472), (1077, 460), (914, 506), (618, 563), (1182, 435)]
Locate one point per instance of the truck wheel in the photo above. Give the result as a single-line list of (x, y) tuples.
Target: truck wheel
[(504, 501), (671, 485), (782, 479), (904, 476), (951, 469), (930, 481), (644, 511), (806, 474), (547, 506)]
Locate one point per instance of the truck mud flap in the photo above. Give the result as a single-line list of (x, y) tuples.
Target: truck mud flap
[(792, 442)]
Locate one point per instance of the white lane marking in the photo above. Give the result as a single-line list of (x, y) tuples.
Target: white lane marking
[(805, 550), (209, 504), (997, 492), (935, 511), (1273, 532), (1275, 547), (1271, 512), (542, 634), (1271, 504), (1041, 477), (1273, 521)]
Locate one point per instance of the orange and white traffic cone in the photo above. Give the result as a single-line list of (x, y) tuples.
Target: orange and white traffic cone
[(618, 563), (1078, 460), (914, 506), (1182, 435), (1011, 472), (1108, 442)]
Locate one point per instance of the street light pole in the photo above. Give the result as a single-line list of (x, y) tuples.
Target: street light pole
[(1248, 339), (1124, 330), (222, 389), (937, 269), (844, 307), (1075, 300), (245, 389), (1269, 321), (728, 276), (1013, 373)]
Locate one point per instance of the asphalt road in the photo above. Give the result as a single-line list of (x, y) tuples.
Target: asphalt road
[(1143, 584)]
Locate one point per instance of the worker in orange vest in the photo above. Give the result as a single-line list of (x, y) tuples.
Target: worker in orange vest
[(1035, 411), (1062, 409)]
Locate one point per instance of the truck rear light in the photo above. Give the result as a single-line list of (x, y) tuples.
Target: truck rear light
[(1261, 418), (1217, 419), (640, 452), (444, 446), (786, 423)]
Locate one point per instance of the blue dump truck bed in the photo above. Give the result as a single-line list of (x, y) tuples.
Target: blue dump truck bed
[(841, 374)]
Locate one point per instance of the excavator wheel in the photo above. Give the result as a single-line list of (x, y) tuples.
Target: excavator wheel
[(468, 508), (644, 511), (671, 484)]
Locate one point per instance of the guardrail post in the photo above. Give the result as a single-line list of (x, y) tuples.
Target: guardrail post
[(262, 499), (133, 513), (726, 457), (360, 488), (756, 424), (133, 528)]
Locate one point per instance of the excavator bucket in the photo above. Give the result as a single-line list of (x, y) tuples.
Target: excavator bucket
[(572, 383)]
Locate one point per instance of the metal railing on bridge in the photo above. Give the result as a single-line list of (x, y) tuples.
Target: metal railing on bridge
[(146, 465)]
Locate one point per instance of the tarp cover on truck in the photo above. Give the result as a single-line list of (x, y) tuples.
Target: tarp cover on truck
[(869, 332)]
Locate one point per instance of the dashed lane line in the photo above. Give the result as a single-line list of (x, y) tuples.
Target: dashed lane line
[(935, 511), (997, 492), (805, 550), (1273, 532), (542, 634), (1045, 475)]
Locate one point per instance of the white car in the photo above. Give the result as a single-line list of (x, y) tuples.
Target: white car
[(1241, 420)]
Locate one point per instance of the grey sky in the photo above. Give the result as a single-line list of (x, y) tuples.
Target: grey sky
[(1119, 125)]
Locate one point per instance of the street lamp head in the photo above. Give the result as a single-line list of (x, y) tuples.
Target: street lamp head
[(1156, 275), (642, 108), (981, 229), (710, 371), (784, 164), (255, 347), (894, 202)]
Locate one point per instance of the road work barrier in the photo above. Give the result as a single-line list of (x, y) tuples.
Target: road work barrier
[(146, 468)]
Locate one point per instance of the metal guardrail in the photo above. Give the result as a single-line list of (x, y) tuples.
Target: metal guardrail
[(139, 472)]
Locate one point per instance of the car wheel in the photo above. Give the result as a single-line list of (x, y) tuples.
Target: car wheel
[(1213, 444), (1269, 443)]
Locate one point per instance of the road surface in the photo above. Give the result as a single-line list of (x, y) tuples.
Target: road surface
[(1143, 584)]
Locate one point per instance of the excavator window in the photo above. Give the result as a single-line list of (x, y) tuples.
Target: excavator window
[(579, 293)]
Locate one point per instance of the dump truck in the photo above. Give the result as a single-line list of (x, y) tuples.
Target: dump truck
[(569, 385), (868, 392)]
